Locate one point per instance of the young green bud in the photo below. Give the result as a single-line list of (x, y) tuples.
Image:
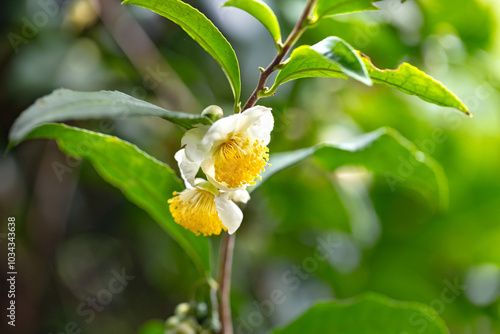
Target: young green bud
[(213, 112)]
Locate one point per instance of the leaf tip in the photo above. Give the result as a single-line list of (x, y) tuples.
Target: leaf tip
[(10, 146), (367, 81)]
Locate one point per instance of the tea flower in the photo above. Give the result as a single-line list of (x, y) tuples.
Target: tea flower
[(232, 152), (203, 209)]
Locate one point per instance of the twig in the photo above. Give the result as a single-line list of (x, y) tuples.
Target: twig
[(225, 266), (297, 31), (227, 243)]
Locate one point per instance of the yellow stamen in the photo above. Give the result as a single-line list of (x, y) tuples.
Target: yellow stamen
[(195, 210), (239, 161)]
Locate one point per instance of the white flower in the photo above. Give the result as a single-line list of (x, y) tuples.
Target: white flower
[(232, 152), (204, 209)]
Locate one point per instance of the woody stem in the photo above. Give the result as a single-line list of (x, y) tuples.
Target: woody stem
[(225, 266), (227, 243)]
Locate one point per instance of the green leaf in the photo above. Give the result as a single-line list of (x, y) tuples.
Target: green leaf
[(339, 52), (326, 8), (369, 314), (306, 63), (145, 181), (261, 12), (384, 151), (203, 31), (410, 80), (64, 105)]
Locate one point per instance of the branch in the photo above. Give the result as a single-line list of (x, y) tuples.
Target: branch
[(225, 266), (227, 243), (297, 31)]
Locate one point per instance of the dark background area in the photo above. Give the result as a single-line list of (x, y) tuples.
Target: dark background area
[(75, 232)]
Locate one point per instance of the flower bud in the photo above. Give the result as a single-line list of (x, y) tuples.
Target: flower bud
[(213, 112), (182, 309), (172, 322)]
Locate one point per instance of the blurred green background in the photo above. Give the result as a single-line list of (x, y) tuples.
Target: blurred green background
[(75, 232)]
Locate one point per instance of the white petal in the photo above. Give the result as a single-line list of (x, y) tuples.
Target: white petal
[(198, 180), (208, 167), (219, 132), (229, 213), (240, 195), (262, 127), (191, 140), (258, 121), (188, 168), (210, 177), (194, 135), (250, 117)]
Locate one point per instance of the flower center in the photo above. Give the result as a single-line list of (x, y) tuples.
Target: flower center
[(239, 161), (195, 210)]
